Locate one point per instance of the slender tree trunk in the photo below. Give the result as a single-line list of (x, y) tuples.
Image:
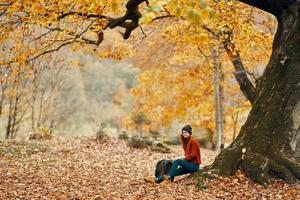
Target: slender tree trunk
[(268, 141), (15, 109), (2, 98), (222, 106), (3, 89), (14, 117), (9, 119), (218, 117), (33, 101), (41, 107)]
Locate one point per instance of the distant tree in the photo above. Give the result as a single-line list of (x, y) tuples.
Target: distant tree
[(140, 119)]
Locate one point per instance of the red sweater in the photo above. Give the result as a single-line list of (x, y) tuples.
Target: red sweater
[(192, 152)]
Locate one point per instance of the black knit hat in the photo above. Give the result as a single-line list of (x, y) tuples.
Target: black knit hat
[(187, 128)]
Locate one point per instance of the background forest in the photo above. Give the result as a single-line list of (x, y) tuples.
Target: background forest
[(65, 99), (185, 76)]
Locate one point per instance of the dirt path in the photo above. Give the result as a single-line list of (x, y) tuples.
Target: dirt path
[(85, 169)]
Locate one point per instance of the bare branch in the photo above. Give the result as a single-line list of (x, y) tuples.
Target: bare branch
[(83, 15), (100, 36), (145, 35), (50, 51), (39, 37), (62, 45), (163, 16), (2, 13), (6, 4), (202, 53)]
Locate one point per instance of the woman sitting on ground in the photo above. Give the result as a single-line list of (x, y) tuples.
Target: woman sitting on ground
[(192, 158), (189, 164)]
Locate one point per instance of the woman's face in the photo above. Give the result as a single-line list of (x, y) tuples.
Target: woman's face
[(185, 134)]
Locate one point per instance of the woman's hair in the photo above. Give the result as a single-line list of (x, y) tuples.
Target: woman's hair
[(185, 142)]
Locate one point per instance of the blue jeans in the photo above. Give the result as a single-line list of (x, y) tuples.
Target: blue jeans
[(186, 167)]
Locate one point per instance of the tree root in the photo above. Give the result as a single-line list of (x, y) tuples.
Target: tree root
[(259, 168), (227, 162), (255, 167), (282, 172), (290, 162), (262, 168)]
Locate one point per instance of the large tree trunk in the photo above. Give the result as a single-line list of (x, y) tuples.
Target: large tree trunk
[(268, 141)]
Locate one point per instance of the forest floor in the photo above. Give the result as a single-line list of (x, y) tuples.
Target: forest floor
[(82, 168)]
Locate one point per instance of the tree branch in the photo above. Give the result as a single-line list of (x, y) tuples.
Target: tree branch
[(246, 86), (162, 17), (202, 53), (83, 15), (62, 45), (50, 51), (6, 4), (100, 36), (240, 73), (39, 37), (131, 14)]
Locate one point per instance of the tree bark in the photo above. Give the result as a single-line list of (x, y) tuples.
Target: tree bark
[(222, 97), (3, 86), (218, 110), (235, 119), (268, 141)]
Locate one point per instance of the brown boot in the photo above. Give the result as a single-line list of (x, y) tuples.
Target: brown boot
[(167, 180)]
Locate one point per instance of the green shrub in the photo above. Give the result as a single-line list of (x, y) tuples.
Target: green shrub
[(147, 141), (160, 147), (136, 142), (154, 133), (204, 143), (20, 148), (172, 141), (41, 134), (201, 185), (123, 136), (206, 138), (100, 135)]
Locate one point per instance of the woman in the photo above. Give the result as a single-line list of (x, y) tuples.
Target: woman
[(189, 164), (192, 158)]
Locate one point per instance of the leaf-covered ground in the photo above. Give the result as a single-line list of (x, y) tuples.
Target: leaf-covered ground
[(82, 168)]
